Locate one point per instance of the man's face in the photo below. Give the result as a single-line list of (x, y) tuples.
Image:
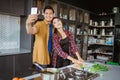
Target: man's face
[(48, 15)]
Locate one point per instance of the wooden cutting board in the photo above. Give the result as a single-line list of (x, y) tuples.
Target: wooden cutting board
[(86, 66)]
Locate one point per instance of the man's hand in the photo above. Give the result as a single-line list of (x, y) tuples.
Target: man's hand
[(31, 18)]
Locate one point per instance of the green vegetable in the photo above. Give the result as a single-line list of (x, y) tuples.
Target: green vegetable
[(81, 66), (98, 67)]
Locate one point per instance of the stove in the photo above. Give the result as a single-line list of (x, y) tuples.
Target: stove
[(76, 74)]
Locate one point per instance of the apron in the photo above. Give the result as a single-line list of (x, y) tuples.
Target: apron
[(64, 43)]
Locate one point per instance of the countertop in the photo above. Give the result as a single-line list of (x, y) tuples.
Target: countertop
[(112, 74), (4, 52)]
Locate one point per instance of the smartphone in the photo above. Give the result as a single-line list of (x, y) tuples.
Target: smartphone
[(34, 10)]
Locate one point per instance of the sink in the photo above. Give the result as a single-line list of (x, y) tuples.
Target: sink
[(76, 74)]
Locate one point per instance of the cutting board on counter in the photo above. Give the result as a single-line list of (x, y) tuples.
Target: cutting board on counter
[(86, 66)]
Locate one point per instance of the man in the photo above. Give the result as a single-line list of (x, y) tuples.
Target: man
[(43, 33)]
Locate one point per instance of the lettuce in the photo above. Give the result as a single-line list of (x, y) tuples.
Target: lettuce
[(98, 67)]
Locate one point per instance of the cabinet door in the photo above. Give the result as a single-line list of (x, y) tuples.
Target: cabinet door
[(5, 6), (6, 67), (23, 63), (79, 38), (17, 7), (12, 7)]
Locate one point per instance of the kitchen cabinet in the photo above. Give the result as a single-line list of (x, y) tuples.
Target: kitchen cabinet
[(13, 34), (72, 13), (17, 7), (5, 6), (82, 32), (13, 7), (23, 65), (14, 60), (54, 4), (15, 65), (6, 67), (63, 11), (101, 37)]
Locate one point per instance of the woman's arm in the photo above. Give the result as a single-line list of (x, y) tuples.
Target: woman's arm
[(72, 43), (57, 48), (78, 56), (74, 49)]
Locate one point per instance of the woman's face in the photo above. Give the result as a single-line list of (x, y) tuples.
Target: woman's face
[(57, 23)]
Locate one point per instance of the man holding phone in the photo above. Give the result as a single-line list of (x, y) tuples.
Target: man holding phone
[(43, 33)]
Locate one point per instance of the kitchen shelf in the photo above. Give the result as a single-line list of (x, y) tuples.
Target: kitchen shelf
[(86, 17), (55, 6), (72, 14), (63, 11), (93, 26), (101, 36), (101, 53), (100, 44), (80, 14)]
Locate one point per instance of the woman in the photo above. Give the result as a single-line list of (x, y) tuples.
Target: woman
[(63, 46)]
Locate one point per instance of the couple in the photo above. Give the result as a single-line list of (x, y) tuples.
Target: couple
[(50, 35)]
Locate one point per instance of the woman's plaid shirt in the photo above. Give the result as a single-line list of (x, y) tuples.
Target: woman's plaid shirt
[(57, 48)]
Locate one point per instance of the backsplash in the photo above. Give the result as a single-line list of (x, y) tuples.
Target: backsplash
[(9, 32)]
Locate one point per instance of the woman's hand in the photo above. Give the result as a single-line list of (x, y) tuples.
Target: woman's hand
[(81, 60), (75, 61)]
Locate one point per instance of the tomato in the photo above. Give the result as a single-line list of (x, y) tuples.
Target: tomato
[(21, 79), (15, 78)]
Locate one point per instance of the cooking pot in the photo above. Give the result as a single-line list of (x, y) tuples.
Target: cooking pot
[(48, 73)]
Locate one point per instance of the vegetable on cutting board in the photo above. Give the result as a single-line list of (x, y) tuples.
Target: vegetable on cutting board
[(96, 67), (79, 66)]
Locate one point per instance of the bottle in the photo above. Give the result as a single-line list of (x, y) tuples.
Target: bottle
[(111, 22), (103, 31), (102, 23), (95, 31)]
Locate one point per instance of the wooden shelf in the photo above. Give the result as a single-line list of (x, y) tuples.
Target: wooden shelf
[(100, 44), (103, 35), (101, 53), (93, 26)]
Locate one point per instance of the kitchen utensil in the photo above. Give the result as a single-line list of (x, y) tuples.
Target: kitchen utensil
[(48, 73), (36, 64)]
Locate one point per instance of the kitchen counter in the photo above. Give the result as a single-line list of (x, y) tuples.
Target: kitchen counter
[(5, 52), (112, 74)]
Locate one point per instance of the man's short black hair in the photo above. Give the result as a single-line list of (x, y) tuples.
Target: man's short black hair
[(48, 7)]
